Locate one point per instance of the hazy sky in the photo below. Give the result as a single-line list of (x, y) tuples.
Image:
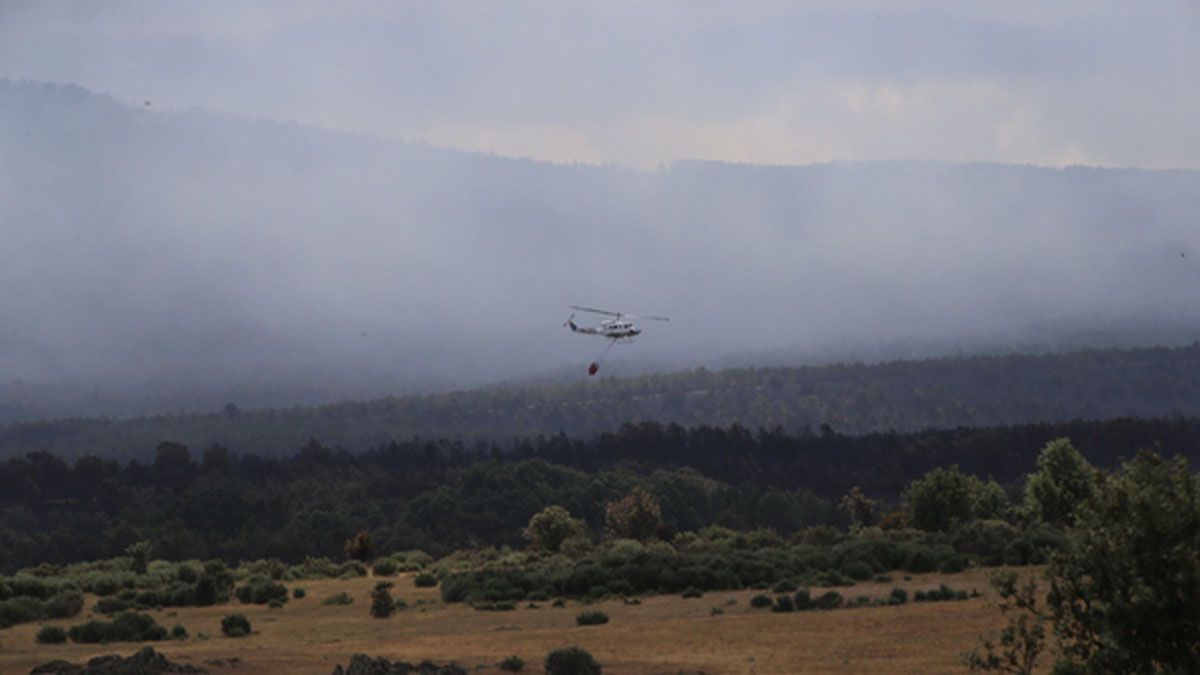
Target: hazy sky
[(642, 83)]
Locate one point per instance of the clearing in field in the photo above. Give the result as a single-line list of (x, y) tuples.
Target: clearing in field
[(662, 634)]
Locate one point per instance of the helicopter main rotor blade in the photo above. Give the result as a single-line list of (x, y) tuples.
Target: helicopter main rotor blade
[(644, 316), (596, 311)]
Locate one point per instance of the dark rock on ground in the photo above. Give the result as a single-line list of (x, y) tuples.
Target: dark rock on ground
[(145, 662), (361, 664)]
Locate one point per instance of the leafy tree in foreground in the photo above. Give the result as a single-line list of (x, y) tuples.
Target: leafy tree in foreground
[(1123, 593), (637, 515), (1123, 589), (549, 528), (1023, 639)]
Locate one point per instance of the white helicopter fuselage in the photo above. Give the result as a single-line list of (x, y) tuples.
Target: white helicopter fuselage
[(613, 329)]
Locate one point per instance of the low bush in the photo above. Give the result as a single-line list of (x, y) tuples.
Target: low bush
[(298, 593), (941, 594), (384, 567), (427, 580), (783, 603), (512, 664), (21, 609), (828, 600), (803, 599), (126, 627), (858, 570), (261, 590), (110, 605), (179, 632), (571, 661), (760, 601), (693, 592), (859, 601), (275, 603), (339, 599), (63, 605), (785, 586), (235, 625), (51, 635), (591, 619), (898, 596), (382, 603)]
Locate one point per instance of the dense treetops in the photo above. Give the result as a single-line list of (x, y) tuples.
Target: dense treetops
[(439, 496), (851, 399)]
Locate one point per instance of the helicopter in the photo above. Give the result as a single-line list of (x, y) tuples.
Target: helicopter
[(617, 329)]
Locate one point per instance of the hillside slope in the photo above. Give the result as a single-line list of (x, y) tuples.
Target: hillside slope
[(197, 251), (849, 398)]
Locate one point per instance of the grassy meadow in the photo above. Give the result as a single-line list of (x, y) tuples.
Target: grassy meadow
[(663, 634)]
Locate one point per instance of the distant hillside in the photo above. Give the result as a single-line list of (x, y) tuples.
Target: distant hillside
[(193, 253), (849, 398)]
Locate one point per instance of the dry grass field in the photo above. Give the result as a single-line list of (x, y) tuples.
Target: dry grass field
[(665, 634)]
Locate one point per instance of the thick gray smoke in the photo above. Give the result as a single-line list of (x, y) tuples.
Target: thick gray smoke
[(204, 252)]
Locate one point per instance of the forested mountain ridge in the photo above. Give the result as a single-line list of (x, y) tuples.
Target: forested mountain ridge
[(850, 399), (199, 252)]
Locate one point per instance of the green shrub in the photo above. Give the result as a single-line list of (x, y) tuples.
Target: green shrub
[(384, 567), (103, 583), (186, 574), (179, 632), (427, 580), (20, 609), (920, 560), (716, 611), (382, 603), (235, 625), (941, 594), (803, 599), (783, 603), (828, 600), (760, 601), (261, 590), (339, 599), (126, 627), (51, 635), (571, 661), (512, 664), (299, 592), (858, 570), (834, 578), (275, 603), (898, 596), (591, 619), (693, 592), (784, 586), (950, 562)]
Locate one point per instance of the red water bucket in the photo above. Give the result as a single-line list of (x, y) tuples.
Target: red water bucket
[(593, 368)]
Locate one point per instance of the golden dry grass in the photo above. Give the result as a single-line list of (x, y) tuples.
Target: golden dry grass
[(665, 634)]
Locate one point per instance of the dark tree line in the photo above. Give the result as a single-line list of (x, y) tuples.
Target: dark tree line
[(442, 495)]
